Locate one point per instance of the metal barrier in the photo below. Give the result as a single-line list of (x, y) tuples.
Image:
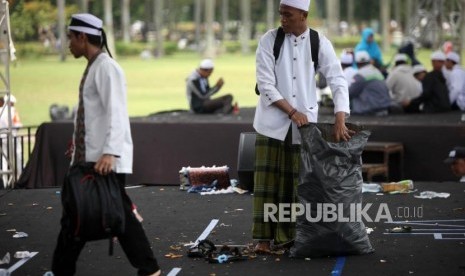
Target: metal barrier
[(23, 144)]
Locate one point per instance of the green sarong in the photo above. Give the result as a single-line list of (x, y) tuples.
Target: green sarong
[(276, 178)]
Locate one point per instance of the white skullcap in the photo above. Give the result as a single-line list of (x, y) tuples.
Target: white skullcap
[(362, 57), (438, 55), (400, 57), (12, 99), (298, 4), (418, 69), (206, 64), (86, 23), (454, 57), (347, 58)]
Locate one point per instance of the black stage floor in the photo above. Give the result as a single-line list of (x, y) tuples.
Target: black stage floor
[(173, 217)]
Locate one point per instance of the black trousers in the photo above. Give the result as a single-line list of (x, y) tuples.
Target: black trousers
[(134, 243), (221, 104)]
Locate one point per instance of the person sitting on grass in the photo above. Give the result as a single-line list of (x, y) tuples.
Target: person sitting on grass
[(368, 44), (199, 91), (435, 94), (455, 79), (368, 92), (401, 83)]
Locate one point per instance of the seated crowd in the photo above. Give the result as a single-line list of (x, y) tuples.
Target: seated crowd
[(407, 87), (373, 90)]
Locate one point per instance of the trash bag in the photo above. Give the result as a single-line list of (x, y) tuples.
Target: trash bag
[(330, 174)]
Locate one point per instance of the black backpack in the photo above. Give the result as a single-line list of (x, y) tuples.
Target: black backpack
[(278, 43), (92, 205)]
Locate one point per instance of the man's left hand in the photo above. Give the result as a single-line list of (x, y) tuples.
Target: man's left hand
[(340, 129), (105, 164)]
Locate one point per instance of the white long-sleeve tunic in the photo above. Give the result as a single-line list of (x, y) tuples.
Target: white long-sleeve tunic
[(292, 77), (107, 128)]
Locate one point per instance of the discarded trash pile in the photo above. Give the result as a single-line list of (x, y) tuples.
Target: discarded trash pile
[(208, 181), (212, 253)]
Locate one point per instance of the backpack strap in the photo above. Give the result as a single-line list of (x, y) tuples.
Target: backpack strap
[(315, 45), (278, 43)]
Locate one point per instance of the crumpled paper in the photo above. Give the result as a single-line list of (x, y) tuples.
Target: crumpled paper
[(22, 254), (431, 194), (18, 235), (6, 259)]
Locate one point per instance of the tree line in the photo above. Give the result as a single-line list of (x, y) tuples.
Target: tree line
[(31, 17), (203, 21)]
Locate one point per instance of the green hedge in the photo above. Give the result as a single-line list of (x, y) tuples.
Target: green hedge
[(231, 46), (36, 49), (33, 50), (136, 48)]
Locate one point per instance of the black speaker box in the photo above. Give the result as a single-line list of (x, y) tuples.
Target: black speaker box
[(246, 160)]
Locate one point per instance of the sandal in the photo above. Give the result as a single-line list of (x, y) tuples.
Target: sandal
[(227, 254), (210, 252)]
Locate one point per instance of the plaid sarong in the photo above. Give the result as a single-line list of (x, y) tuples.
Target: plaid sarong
[(276, 178)]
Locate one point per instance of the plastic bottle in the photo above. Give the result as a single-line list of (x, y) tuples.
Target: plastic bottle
[(400, 186)]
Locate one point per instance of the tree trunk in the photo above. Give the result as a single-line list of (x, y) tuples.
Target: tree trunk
[(85, 6), (408, 16), (125, 20), (246, 26), (397, 13), (198, 22), (225, 18), (108, 21), (438, 36), (270, 14), (462, 29), (61, 29), (158, 13), (385, 6), (210, 35), (350, 12), (333, 16)]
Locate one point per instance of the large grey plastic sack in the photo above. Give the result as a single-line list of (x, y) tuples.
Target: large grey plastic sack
[(330, 172)]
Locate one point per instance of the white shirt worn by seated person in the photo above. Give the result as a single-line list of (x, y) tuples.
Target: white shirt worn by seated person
[(455, 82), (403, 86), (292, 77), (349, 74), (107, 128)]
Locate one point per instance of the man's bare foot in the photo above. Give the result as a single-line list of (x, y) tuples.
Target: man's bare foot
[(158, 273), (263, 247), (286, 245)]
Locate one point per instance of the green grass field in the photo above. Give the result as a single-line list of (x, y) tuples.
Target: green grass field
[(153, 85)]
